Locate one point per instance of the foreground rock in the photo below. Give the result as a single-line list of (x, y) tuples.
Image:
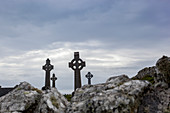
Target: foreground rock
[(157, 98), (118, 95), (158, 74), (163, 66), (27, 99), (147, 92)]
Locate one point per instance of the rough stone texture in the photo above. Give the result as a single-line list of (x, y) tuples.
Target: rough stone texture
[(118, 79), (163, 65), (19, 99), (148, 71), (160, 72), (156, 100), (117, 95), (52, 102), (27, 99)]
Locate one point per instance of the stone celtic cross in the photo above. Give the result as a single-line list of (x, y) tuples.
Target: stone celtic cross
[(53, 80), (47, 67), (77, 64), (89, 76)]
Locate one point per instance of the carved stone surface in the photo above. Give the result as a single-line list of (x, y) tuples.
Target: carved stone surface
[(53, 80), (47, 67), (77, 64), (89, 76)]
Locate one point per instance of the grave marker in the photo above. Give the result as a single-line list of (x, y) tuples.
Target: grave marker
[(47, 67), (53, 80), (89, 76), (77, 65)]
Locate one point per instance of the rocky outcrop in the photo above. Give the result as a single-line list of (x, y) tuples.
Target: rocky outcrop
[(118, 95), (163, 65), (157, 98), (148, 71), (27, 99), (52, 102), (156, 74)]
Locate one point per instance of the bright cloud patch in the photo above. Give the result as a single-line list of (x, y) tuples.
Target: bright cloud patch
[(113, 37), (99, 61)]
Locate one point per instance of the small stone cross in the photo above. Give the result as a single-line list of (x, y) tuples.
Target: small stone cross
[(53, 80), (89, 76), (77, 64), (47, 67)]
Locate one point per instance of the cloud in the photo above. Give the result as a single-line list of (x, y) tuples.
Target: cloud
[(38, 23), (100, 61), (113, 37)]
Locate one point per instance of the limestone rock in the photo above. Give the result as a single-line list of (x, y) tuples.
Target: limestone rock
[(163, 65), (120, 96), (25, 98), (156, 100), (148, 71), (159, 74), (118, 79), (20, 99), (52, 101)]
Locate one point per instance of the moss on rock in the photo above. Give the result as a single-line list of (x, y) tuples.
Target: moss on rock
[(149, 78), (37, 90), (54, 102), (68, 97)]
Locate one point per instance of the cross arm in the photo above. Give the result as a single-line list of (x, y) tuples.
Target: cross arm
[(83, 64), (71, 65)]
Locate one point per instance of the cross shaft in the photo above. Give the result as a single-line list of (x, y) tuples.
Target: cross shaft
[(77, 65), (89, 76), (53, 80), (47, 67)]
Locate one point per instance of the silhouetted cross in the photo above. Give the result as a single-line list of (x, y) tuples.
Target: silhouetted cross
[(89, 76), (53, 80), (47, 67), (77, 64)]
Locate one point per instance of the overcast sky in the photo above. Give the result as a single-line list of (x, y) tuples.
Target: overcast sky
[(114, 37)]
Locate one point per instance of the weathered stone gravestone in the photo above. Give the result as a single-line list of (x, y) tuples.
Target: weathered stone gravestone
[(53, 80), (47, 67), (77, 65), (89, 76)]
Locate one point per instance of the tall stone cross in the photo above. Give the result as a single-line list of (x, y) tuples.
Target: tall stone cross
[(53, 80), (47, 67), (77, 64), (89, 76)]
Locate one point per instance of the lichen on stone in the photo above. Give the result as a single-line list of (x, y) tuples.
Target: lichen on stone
[(37, 90), (54, 101)]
